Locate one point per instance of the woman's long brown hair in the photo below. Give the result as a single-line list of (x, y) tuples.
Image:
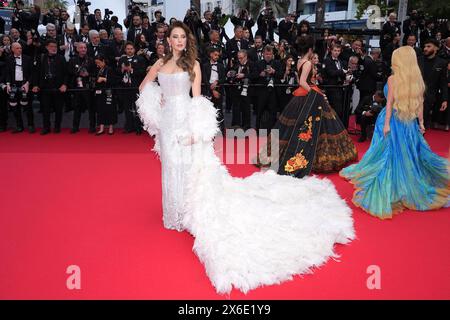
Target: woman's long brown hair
[(189, 55)]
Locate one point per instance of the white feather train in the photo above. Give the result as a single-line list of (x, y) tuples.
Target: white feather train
[(254, 231)]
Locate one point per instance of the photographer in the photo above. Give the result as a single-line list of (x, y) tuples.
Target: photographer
[(136, 29), (266, 25), (53, 16), (236, 43), (334, 73), (285, 27), (51, 80), (132, 70), (214, 42), (96, 22), (117, 45), (67, 42), (133, 10), (370, 74), (270, 72), (158, 19), (241, 73), (18, 76), (390, 28), (213, 75), (244, 20), (83, 6), (84, 34), (81, 69), (367, 112), (194, 22), (207, 25), (290, 77), (256, 53)]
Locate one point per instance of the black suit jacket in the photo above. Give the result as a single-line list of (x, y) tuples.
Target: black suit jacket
[(206, 74), (332, 75), (369, 76), (435, 81), (10, 69), (61, 76), (232, 47), (275, 64), (138, 64), (131, 35)]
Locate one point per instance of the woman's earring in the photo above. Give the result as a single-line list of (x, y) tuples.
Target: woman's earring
[(170, 48)]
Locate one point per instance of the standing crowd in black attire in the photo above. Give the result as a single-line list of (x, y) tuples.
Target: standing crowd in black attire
[(242, 74)]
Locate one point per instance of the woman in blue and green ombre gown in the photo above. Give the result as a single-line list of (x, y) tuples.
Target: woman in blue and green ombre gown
[(399, 170)]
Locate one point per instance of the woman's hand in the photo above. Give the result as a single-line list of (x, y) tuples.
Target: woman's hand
[(422, 128), (386, 129)]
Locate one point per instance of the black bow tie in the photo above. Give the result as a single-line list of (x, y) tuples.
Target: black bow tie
[(214, 63)]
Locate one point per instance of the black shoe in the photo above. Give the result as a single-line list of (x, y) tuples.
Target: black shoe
[(91, 130), (31, 129), (362, 139), (74, 130), (45, 131), (57, 130), (17, 130)]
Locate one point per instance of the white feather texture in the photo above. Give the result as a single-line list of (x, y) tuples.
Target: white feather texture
[(249, 232), (148, 107)]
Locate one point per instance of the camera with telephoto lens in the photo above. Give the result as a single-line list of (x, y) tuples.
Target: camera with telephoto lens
[(84, 6), (14, 96), (79, 80), (376, 107), (108, 14), (244, 91)]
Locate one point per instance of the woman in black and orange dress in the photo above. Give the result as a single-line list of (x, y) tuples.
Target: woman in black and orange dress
[(311, 135)]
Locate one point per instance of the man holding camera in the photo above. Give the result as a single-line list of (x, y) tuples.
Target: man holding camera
[(51, 80), (241, 73), (213, 74), (158, 19), (236, 43), (269, 72), (266, 25), (81, 69), (214, 42), (18, 76), (244, 20), (367, 112), (194, 22), (132, 69)]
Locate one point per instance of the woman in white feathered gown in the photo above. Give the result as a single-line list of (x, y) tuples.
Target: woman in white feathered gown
[(249, 232)]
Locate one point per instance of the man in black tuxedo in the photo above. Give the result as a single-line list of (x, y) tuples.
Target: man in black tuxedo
[(411, 41), (96, 22), (285, 26), (256, 53), (367, 112), (270, 72), (117, 45), (370, 75), (242, 73), (334, 73), (207, 25), (236, 43), (434, 73), (132, 69), (51, 80), (427, 33), (137, 29), (354, 51), (389, 29), (213, 75), (214, 42), (83, 36), (18, 78), (244, 20), (96, 47), (81, 69)]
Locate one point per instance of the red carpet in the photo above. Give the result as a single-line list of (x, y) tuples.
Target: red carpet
[(95, 202)]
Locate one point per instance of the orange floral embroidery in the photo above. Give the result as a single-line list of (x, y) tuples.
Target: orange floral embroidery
[(306, 136), (296, 162)]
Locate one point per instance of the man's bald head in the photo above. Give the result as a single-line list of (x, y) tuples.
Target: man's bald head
[(16, 48)]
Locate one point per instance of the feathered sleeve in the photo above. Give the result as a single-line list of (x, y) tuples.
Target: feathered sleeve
[(203, 119), (148, 107)]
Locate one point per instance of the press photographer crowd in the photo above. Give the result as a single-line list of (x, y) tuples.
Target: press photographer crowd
[(98, 67)]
